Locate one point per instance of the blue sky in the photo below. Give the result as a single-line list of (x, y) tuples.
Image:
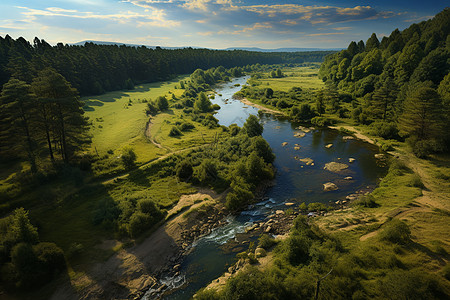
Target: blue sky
[(212, 23)]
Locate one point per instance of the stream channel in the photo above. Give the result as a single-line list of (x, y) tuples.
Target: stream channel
[(294, 182)]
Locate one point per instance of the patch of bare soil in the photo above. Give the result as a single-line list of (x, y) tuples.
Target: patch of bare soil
[(273, 111), (130, 272)]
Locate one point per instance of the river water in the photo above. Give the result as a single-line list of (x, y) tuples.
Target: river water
[(295, 182)]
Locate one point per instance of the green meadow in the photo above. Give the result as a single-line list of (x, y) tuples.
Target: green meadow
[(119, 119)]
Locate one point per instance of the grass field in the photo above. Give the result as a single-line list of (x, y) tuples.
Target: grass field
[(304, 77), (119, 118)]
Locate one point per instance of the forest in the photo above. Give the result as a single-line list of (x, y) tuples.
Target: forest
[(61, 196)]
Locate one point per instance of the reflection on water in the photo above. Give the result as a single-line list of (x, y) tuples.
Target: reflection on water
[(295, 182)]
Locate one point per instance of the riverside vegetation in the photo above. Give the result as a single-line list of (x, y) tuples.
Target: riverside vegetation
[(78, 194), (389, 244), (392, 243)]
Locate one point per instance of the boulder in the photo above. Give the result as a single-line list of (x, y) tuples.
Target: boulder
[(299, 134), (348, 137), (328, 146), (335, 167), (279, 212), (297, 148), (329, 186), (348, 178), (308, 161), (284, 144), (351, 159), (289, 203), (380, 156), (268, 229)]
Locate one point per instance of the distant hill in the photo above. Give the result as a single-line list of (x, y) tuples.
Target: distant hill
[(131, 45), (283, 49), (231, 48)]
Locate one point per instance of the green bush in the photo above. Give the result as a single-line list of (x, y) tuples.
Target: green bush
[(139, 222), (266, 242), (416, 181), (174, 131), (396, 231), (322, 121), (366, 201), (128, 158)]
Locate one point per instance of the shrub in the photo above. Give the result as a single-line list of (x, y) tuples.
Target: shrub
[(51, 258), (184, 170), (128, 158), (397, 232), (266, 242), (416, 181), (147, 206), (186, 126), (366, 201), (174, 131), (139, 222), (161, 103), (322, 121)]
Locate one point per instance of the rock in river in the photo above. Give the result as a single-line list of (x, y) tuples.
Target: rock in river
[(328, 146), (351, 159), (284, 144), (329, 186), (335, 167)]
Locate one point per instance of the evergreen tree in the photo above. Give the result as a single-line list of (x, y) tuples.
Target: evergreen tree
[(372, 43), (60, 113), (421, 117), (17, 112), (252, 126), (202, 104)]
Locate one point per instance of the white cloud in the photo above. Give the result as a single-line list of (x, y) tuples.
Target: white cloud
[(155, 17)]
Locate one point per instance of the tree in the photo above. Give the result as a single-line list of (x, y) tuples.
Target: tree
[(268, 93), (383, 100), (202, 103), (128, 158), (320, 102), (17, 113), (372, 43), (421, 117), (60, 113), (161, 103), (252, 126)]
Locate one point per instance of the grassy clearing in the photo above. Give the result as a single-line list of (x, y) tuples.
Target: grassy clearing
[(119, 118), (304, 77), (163, 123)]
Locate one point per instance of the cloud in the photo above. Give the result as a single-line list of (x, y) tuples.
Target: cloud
[(317, 14), (343, 28), (195, 5), (324, 34), (155, 18), (255, 26)]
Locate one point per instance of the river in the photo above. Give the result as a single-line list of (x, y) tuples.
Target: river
[(295, 182)]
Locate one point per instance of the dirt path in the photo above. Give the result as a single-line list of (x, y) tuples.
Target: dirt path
[(148, 135), (129, 272), (273, 111)]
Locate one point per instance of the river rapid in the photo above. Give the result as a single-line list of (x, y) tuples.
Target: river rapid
[(295, 182)]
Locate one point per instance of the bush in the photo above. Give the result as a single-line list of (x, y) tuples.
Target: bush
[(139, 222), (386, 130), (128, 158), (184, 170), (322, 121), (174, 131), (396, 232), (416, 181), (51, 258), (266, 242), (186, 126), (366, 201)]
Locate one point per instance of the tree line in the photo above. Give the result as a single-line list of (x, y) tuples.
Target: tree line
[(94, 69), (399, 85)]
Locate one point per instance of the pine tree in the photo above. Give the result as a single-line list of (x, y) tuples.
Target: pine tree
[(61, 114), (17, 112), (202, 103), (422, 117)]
